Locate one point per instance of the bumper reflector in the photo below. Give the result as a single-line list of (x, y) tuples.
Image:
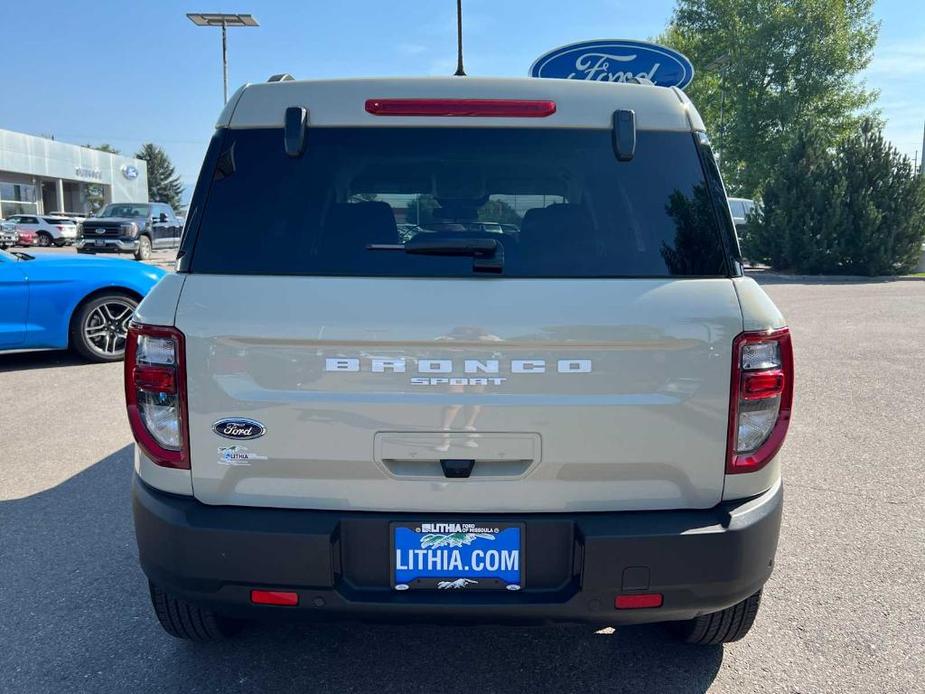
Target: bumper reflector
[(638, 600), (274, 597)]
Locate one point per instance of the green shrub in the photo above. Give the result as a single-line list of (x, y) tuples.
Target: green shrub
[(856, 209)]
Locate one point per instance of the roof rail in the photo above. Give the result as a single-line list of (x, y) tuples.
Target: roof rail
[(281, 77)]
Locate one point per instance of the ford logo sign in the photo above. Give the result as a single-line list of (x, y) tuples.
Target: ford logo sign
[(130, 172), (612, 60), (239, 429)]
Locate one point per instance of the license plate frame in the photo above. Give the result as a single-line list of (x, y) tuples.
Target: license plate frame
[(505, 546)]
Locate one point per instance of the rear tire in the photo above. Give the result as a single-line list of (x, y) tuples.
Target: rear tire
[(720, 627), (144, 248), (43, 239), (183, 620)]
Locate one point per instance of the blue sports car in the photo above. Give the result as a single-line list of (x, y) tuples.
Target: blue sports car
[(60, 301)]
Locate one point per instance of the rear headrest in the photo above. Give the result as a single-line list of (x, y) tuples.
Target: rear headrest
[(358, 224), (557, 221)]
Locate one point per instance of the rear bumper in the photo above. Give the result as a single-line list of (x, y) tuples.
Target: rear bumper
[(110, 245), (576, 564)]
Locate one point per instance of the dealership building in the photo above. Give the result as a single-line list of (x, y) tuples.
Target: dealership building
[(40, 176)]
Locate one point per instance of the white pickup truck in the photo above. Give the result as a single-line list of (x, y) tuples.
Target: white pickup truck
[(555, 398)]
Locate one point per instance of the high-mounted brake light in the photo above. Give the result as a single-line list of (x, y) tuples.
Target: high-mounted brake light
[(488, 108), (155, 393), (761, 399)]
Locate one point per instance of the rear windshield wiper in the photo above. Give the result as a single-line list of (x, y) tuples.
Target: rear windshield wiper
[(487, 254)]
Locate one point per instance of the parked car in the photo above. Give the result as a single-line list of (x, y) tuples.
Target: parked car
[(60, 301), (408, 231), (25, 238), (579, 423), (48, 230), (76, 216), (20, 237), (8, 236), (130, 227), (741, 209)]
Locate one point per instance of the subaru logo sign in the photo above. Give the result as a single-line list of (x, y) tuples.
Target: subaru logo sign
[(130, 172), (614, 60)]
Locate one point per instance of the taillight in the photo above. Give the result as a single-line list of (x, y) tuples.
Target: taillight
[(489, 108), (155, 393), (761, 399)]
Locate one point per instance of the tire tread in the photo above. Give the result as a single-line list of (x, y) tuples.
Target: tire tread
[(724, 626), (184, 620)]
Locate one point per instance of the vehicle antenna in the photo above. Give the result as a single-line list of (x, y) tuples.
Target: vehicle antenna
[(460, 70)]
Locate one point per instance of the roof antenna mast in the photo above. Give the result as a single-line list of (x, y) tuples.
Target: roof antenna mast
[(460, 71)]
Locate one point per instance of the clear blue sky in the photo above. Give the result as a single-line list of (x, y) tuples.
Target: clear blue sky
[(130, 72)]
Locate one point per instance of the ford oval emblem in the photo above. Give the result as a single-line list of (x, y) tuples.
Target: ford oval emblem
[(615, 60), (239, 429), (130, 172)]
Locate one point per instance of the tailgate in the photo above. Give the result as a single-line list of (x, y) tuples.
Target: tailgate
[(568, 395)]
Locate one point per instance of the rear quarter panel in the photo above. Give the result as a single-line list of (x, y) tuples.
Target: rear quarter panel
[(758, 313)]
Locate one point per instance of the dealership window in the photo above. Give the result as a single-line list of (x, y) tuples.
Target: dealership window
[(17, 198)]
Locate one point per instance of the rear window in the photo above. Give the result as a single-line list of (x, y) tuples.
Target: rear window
[(557, 202)]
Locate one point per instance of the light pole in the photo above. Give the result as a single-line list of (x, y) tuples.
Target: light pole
[(223, 20), (922, 168), (721, 64)]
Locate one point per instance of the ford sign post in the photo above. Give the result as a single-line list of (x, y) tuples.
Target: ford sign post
[(615, 60)]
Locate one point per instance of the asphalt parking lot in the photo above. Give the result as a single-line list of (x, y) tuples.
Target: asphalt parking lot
[(842, 612)]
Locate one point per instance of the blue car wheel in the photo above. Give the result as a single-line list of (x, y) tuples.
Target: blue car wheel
[(100, 327)]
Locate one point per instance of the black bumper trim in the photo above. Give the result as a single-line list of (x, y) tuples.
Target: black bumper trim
[(700, 560)]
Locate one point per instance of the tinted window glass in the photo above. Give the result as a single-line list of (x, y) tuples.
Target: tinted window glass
[(124, 210), (557, 201)]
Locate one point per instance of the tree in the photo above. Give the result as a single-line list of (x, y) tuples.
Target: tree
[(94, 191), (856, 208), (775, 69), (421, 209), (688, 254), (163, 182), (499, 211)]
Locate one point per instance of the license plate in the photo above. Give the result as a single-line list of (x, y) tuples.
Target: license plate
[(450, 555), (100, 242)]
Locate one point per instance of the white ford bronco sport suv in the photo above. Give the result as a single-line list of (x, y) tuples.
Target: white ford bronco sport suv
[(575, 418)]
